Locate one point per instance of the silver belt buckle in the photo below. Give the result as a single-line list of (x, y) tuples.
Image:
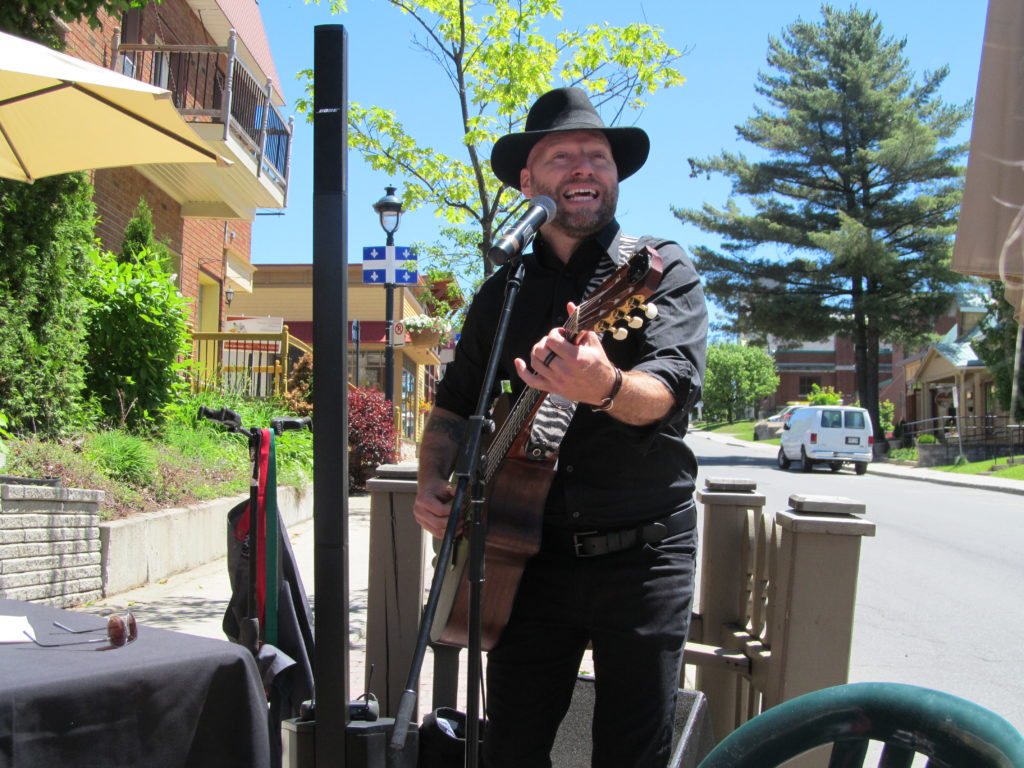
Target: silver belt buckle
[(577, 545)]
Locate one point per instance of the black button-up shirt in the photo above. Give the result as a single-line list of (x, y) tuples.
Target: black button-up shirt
[(609, 474)]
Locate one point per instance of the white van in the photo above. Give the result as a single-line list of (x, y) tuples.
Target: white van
[(830, 434)]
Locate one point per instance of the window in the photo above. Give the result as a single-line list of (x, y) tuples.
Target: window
[(367, 370), (831, 419), (806, 382), (131, 33), (855, 420)]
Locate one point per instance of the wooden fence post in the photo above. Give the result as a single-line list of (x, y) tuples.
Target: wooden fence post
[(724, 590), (395, 586), (813, 595)]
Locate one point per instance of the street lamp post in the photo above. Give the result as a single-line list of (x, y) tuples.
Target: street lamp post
[(389, 208)]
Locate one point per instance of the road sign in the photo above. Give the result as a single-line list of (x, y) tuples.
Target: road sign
[(384, 264), (398, 333)]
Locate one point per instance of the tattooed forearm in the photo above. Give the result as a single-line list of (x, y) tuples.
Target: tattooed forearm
[(452, 427)]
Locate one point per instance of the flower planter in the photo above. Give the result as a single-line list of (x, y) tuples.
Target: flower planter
[(423, 337)]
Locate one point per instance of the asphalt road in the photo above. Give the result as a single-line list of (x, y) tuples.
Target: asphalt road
[(939, 592)]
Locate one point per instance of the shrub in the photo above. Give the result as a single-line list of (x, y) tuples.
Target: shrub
[(903, 454), (46, 235), (138, 332), (826, 396), (371, 435), (886, 415), (927, 439), (300, 387)]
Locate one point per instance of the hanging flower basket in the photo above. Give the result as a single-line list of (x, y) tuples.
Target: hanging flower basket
[(424, 337), (426, 330)]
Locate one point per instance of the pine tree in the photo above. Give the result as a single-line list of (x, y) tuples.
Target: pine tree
[(859, 192)]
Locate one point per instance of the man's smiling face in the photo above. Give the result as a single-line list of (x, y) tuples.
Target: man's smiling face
[(576, 170)]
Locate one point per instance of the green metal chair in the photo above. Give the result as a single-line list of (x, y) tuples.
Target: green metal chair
[(952, 732)]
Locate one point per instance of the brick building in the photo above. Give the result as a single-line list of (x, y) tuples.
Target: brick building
[(832, 363), (829, 363), (214, 57)]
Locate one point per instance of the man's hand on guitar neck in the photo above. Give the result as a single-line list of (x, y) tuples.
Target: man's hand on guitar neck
[(442, 437), (579, 370)]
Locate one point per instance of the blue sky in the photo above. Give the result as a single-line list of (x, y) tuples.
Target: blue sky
[(726, 45)]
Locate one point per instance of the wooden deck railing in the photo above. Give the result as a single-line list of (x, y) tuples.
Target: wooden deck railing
[(247, 364)]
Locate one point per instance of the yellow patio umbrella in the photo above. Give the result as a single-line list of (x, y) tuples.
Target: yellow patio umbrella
[(61, 114)]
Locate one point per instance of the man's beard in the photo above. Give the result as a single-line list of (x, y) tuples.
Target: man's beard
[(583, 223)]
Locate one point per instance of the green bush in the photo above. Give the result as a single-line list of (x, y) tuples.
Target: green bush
[(926, 439), (138, 331), (826, 396), (903, 454), (46, 235)]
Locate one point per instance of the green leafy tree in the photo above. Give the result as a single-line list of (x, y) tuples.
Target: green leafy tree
[(737, 377), (138, 333), (46, 234), (997, 348), (40, 19), (139, 236), (498, 58), (858, 189)]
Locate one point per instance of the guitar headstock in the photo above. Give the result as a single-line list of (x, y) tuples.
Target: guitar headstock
[(620, 302)]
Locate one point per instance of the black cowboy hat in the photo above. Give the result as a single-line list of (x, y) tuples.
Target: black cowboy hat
[(566, 109)]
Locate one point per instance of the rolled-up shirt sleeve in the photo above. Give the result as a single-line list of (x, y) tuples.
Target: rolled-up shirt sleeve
[(673, 345)]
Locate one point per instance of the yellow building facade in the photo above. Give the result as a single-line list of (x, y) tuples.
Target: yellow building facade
[(286, 291)]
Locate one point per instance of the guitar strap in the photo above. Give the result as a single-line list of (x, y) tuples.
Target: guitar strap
[(555, 413)]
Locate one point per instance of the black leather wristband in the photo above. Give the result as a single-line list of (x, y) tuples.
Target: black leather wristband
[(606, 404)]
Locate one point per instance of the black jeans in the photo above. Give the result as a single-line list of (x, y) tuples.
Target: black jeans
[(634, 608)]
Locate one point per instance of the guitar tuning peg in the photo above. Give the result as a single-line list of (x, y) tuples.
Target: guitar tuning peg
[(620, 334), (634, 322), (650, 310)]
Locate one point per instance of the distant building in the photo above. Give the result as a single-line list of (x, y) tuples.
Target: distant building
[(919, 385), (286, 291), (947, 376), (829, 363)]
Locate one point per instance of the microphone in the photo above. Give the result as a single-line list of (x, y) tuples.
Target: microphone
[(511, 244)]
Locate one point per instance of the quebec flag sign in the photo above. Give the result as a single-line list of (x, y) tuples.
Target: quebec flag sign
[(389, 264)]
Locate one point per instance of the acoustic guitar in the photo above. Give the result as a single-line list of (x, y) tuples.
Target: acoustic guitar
[(517, 481)]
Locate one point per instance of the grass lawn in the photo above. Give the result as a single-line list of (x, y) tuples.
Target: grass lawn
[(742, 430), (1013, 472)]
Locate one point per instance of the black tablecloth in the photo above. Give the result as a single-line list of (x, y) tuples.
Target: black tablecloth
[(167, 699)]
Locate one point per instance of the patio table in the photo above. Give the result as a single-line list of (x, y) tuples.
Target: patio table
[(166, 699)]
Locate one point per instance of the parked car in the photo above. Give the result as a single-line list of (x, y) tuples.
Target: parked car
[(785, 413), (827, 434)]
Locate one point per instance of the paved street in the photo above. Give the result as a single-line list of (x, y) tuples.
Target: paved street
[(938, 594)]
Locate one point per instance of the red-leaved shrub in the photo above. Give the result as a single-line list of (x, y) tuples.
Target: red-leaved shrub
[(371, 435)]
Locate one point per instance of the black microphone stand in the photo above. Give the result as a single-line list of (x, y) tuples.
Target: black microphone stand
[(470, 466)]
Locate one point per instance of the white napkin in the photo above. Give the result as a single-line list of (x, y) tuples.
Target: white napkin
[(13, 629)]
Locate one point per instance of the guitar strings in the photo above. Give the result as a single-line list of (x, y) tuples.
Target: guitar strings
[(528, 399)]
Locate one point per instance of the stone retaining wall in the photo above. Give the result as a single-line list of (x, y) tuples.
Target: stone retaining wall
[(50, 545), (54, 550)]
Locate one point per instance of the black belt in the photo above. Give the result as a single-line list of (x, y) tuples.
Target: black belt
[(596, 543)]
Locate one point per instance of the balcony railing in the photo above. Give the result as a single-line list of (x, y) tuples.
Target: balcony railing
[(246, 364), (211, 84)]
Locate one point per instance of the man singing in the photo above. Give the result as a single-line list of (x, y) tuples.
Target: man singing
[(616, 562)]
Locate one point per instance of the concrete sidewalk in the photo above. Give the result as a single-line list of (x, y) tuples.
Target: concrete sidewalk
[(195, 601)]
